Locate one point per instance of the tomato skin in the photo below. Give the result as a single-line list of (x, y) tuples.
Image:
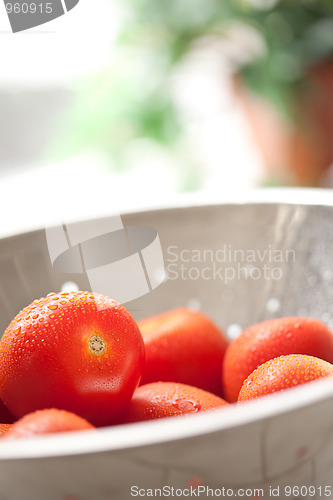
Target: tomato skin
[(46, 421), (270, 339), (78, 351), (169, 399), (3, 429), (5, 416), (282, 373), (185, 346)]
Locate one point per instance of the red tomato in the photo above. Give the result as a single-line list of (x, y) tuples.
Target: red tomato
[(270, 339), (78, 351), (3, 429), (45, 422), (183, 346), (5, 416), (282, 373), (169, 399)]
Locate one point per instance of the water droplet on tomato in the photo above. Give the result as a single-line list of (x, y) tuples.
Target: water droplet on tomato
[(186, 405)]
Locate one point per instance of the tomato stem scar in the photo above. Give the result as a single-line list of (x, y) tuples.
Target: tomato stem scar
[(96, 344)]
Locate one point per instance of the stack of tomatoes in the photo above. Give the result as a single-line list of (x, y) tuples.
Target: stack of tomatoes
[(79, 360)]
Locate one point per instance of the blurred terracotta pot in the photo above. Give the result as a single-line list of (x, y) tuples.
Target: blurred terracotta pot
[(298, 150)]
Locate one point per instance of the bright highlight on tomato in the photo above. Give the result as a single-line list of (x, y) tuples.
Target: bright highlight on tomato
[(78, 351)]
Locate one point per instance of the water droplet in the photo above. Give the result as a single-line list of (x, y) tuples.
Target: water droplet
[(273, 305), (186, 405), (233, 331)]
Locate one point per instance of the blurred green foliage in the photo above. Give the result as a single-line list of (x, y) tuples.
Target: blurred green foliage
[(133, 97)]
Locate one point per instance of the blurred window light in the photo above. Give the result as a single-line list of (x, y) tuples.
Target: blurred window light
[(59, 52)]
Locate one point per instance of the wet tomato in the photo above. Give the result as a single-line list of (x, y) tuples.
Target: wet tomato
[(46, 421), (78, 351), (3, 429), (185, 346), (283, 373), (270, 339), (169, 399), (5, 416)]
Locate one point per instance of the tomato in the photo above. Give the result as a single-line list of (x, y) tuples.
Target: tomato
[(5, 416), (78, 351), (45, 422), (169, 399), (3, 429), (282, 373), (185, 346), (270, 339)]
